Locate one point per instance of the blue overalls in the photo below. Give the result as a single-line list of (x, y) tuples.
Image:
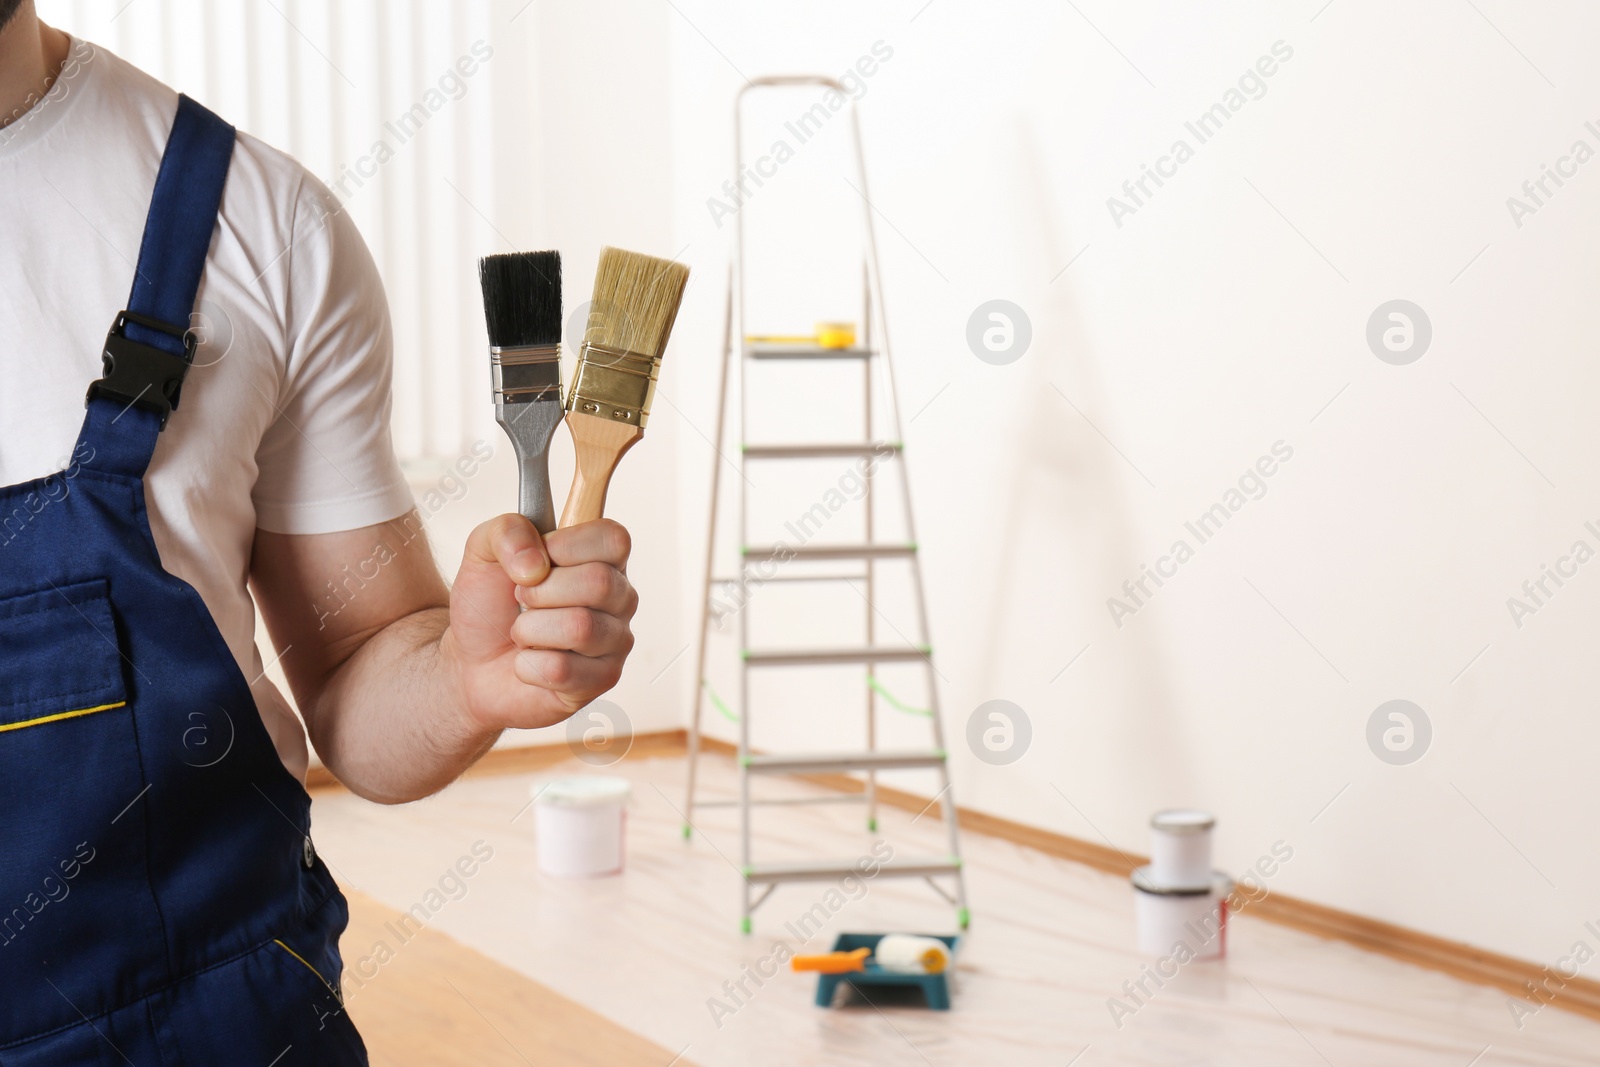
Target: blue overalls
[(160, 900)]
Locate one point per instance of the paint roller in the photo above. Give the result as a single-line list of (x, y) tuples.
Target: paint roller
[(911, 954), (896, 953)]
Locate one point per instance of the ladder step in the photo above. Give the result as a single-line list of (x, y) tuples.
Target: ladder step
[(759, 350), (834, 762), (846, 798), (911, 867), (827, 656), (821, 451), (796, 578), (769, 553)]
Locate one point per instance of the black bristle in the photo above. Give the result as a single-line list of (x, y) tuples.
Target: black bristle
[(522, 298)]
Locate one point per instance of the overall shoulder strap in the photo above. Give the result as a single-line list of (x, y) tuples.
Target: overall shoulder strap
[(149, 349)]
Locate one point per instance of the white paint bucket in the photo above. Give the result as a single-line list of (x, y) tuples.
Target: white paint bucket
[(580, 823), (1181, 924), (1180, 849)]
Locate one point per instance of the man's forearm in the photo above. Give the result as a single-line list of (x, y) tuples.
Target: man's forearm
[(400, 692), (391, 721)]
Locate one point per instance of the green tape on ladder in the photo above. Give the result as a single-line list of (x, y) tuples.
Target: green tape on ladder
[(717, 703), (894, 702)]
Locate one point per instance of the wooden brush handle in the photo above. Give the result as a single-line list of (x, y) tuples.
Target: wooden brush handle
[(599, 444)]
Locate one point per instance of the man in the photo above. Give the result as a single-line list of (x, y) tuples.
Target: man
[(160, 898)]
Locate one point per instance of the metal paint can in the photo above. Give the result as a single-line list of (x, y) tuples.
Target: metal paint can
[(580, 825), (1188, 924), (1180, 849)]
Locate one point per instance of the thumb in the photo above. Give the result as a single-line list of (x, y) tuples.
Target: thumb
[(501, 554)]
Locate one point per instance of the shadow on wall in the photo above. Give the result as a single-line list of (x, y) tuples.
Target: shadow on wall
[(1065, 476)]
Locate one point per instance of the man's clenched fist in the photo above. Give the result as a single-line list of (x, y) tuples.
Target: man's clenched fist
[(522, 669)]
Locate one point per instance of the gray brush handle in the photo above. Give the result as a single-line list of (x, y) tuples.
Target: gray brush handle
[(531, 426)]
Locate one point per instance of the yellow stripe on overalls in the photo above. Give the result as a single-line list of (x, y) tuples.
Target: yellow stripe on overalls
[(61, 715), (313, 970)]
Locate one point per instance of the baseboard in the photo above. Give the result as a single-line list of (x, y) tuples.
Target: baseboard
[(1457, 959)]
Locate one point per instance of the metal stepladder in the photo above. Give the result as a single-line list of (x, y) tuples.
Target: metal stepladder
[(868, 554)]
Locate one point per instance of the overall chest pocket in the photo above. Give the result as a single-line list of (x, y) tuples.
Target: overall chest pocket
[(76, 909), (59, 657)]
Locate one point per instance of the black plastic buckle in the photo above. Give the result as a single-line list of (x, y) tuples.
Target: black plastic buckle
[(140, 375)]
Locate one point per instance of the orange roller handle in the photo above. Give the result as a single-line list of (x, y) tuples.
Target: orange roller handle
[(832, 962)]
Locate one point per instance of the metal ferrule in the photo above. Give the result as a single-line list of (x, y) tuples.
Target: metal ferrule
[(615, 385), (523, 375)]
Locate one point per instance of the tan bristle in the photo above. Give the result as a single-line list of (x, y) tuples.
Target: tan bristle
[(635, 301)]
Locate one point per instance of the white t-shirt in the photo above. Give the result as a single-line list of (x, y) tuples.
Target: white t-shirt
[(284, 420)]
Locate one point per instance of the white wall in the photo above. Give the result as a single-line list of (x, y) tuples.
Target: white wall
[(1189, 340), (1227, 314)]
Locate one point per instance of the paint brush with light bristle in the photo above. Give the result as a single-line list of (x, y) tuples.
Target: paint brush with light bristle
[(522, 306), (635, 303)]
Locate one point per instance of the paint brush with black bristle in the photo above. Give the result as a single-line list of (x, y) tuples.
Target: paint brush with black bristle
[(635, 303), (522, 305)]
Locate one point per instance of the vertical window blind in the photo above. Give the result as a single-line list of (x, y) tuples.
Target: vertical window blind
[(406, 109)]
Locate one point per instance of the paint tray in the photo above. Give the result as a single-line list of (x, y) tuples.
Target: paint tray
[(935, 987)]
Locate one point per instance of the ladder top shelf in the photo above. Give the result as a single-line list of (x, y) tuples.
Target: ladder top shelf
[(794, 350)]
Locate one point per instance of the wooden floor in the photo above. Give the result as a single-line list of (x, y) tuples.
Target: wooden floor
[(438, 1002), (654, 952)]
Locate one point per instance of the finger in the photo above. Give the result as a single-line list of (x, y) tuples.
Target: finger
[(517, 546), (588, 585), (581, 630), (575, 679), (482, 602), (600, 541)]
